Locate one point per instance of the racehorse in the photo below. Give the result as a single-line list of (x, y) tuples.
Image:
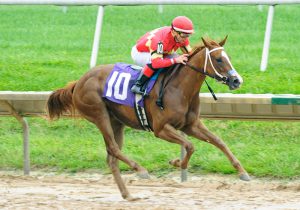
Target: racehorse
[(181, 108)]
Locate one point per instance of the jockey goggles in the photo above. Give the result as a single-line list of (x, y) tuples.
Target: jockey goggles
[(183, 35)]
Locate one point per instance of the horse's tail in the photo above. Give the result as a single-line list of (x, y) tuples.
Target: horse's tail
[(61, 101)]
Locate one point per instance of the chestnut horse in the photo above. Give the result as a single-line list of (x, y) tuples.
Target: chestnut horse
[(180, 113)]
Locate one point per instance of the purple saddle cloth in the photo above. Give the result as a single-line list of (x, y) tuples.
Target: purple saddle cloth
[(119, 82)]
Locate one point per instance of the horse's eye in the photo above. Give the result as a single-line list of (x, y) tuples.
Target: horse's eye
[(219, 60)]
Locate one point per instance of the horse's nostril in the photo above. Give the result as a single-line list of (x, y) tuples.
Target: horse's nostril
[(236, 82)]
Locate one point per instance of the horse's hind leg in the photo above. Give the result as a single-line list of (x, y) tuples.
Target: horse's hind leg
[(199, 131)]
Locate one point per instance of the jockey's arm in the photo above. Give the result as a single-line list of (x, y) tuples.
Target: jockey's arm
[(158, 61), (157, 55)]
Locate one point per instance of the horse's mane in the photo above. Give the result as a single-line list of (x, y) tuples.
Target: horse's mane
[(198, 47)]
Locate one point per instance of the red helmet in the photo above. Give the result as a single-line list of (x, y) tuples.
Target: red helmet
[(183, 24)]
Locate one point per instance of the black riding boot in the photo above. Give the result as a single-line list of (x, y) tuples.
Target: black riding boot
[(139, 83)]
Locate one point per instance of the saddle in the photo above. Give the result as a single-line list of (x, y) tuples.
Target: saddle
[(119, 82)]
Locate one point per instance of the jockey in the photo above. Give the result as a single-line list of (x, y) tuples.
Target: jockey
[(156, 49)]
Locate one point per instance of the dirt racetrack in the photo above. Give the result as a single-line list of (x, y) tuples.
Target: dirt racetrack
[(96, 191)]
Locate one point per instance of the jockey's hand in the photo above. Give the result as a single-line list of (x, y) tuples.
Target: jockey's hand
[(182, 59)]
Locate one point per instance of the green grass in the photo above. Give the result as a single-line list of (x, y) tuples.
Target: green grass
[(42, 48), (74, 145), (47, 47)]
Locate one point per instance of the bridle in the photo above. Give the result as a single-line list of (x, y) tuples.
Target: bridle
[(217, 75)]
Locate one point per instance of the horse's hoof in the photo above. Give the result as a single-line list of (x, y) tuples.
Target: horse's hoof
[(130, 198), (245, 177), (143, 175), (176, 163)]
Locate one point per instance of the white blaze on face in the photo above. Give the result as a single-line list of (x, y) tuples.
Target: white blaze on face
[(232, 72)]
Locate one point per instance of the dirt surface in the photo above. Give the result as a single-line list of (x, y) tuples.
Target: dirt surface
[(96, 191)]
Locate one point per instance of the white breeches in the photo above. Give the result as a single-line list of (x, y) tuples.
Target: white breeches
[(143, 58), (140, 58)]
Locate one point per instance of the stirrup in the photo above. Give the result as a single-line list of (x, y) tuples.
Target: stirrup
[(137, 89)]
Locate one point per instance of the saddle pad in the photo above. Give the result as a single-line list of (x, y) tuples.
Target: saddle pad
[(119, 82)]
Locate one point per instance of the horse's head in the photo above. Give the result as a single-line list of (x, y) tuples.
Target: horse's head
[(217, 64)]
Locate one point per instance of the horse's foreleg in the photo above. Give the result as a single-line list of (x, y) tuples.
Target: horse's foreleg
[(199, 131), (113, 149), (113, 163), (118, 129), (170, 134), (100, 117), (113, 137)]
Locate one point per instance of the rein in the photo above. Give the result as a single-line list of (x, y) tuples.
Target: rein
[(163, 85), (203, 72)]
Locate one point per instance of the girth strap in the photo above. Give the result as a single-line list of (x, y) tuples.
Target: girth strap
[(141, 113)]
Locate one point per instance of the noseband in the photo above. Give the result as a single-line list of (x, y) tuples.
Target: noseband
[(217, 75)]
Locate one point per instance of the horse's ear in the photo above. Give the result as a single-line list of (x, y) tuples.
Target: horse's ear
[(206, 43), (223, 41)]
